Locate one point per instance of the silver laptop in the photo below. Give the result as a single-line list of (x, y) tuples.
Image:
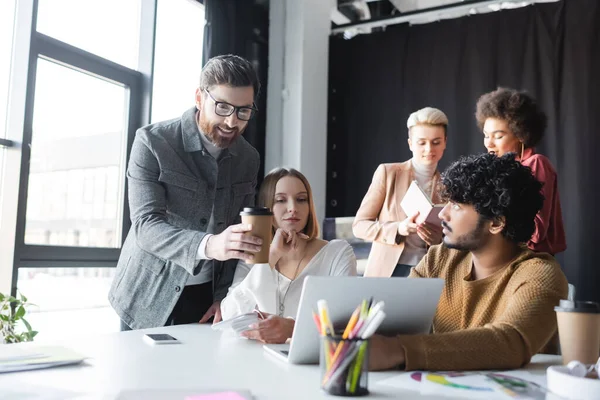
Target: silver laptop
[(410, 305)]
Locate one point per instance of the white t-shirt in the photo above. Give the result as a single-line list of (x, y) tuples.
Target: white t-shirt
[(257, 286)]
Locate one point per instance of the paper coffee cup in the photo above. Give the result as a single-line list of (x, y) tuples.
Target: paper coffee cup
[(579, 330), (261, 219)]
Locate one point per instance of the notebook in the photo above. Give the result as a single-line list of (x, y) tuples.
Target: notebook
[(15, 358), (415, 200)]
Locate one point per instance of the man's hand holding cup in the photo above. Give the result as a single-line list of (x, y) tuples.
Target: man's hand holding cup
[(234, 242)]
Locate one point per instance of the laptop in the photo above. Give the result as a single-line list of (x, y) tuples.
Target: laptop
[(410, 305)]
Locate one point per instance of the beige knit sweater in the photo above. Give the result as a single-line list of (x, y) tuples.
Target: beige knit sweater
[(497, 322)]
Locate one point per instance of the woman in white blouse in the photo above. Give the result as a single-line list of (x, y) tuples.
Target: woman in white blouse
[(296, 252)]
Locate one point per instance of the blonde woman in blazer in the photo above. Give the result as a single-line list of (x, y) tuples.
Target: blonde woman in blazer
[(398, 242)]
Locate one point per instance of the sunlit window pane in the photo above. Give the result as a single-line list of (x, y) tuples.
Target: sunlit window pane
[(75, 297), (7, 18), (107, 28), (176, 68), (77, 167)]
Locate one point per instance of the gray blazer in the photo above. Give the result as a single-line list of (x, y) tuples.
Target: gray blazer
[(173, 184)]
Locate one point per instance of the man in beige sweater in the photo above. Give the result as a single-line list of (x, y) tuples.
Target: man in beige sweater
[(497, 306)]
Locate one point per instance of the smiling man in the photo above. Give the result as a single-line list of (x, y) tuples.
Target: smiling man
[(497, 306), (188, 179)]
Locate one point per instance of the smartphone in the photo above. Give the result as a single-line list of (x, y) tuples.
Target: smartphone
[(160, 338)]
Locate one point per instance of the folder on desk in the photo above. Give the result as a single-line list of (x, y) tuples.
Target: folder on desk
[(15, 358), (415, 200)]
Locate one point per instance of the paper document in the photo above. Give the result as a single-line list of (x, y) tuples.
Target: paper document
[(237, 324), (473, 384), (12, 360), (415, 200)]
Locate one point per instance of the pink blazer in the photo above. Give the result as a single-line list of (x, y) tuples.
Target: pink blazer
[(380, 214)]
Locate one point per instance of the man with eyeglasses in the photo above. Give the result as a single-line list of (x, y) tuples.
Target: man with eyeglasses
[(188, 179)]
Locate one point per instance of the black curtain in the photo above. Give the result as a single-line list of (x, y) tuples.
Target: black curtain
[(241, 27), (551, 50)]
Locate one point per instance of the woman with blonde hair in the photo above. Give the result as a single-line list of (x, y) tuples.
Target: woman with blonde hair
[(295, 253), (399, 242)]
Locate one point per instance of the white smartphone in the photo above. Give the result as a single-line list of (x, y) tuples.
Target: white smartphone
[(160, 338)]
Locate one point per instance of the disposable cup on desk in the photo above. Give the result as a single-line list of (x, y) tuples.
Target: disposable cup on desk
[(579, 330), (344, 366)]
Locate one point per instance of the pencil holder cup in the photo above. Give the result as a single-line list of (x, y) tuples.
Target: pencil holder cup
[(344, 366)]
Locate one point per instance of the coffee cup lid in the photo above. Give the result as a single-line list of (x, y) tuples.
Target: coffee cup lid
[(589, 307), (248, 211)]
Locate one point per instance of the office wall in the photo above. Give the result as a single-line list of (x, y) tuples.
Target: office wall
[(551, 50)]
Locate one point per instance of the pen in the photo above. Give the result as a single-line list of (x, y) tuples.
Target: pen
[(351, 323), (317, 322), (354, 376), (372, 313), (348, 358), (323, 310), (326, 329), (373, 325), (364, 312)]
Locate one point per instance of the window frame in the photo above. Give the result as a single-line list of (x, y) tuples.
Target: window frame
[(28, 46)]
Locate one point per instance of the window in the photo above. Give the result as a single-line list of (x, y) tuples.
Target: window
[(77, 297), (108, 28), (76, 176), (7, 18), (176, 67), (78, 118), (65, 197)]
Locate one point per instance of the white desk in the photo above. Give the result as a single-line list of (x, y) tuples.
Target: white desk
[(204, 360)]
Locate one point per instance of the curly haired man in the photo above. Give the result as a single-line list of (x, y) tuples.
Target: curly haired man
[(497, 306)]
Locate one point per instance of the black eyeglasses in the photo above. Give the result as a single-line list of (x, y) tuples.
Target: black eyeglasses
[(224, 109)]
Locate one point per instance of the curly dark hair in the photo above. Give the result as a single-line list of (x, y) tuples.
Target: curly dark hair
[(525, 119), (496, 187)]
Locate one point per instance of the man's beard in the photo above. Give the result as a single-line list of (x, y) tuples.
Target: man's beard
[(470, 241), (211, 132)]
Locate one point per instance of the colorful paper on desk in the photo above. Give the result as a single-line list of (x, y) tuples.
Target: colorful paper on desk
[(404, 380), (468, 385), (475, 385)]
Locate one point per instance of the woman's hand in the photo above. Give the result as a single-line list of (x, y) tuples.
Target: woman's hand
[(272, 329), (430, 234), (408, 226), (283, 243)]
